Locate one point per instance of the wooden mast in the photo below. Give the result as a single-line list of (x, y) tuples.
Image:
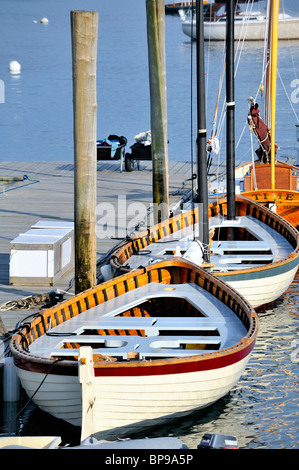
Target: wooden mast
[(201, 131), (267, 116), (274, 43)]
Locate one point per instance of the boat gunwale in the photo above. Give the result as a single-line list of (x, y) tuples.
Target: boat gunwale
[(30, 331), (257, 211)]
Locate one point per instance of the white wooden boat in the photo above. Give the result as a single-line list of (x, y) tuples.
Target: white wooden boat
[(164, 341), (250, 27), (260, 261)]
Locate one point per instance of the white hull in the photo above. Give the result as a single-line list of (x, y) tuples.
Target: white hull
[(60, 395), (121, 411), (271, 288), (251, 31)]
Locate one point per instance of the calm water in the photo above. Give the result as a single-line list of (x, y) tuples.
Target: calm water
[(36, 120), (36, 124)]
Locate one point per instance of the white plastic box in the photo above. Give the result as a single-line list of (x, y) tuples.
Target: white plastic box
[(42, 255)]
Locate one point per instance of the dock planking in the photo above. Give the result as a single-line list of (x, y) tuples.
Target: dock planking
[(46, 192)]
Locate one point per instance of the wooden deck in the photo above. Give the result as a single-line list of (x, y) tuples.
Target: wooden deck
[(46, 193)]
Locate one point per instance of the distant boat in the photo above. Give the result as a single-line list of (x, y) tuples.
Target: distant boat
[(137, 351), (175, 7), (184, 6), (249, 25)]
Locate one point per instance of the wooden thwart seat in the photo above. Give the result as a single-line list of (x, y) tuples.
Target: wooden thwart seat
[(112, 334), (162, 346)]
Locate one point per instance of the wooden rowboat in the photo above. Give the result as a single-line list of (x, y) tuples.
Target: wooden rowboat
[(257, 254), (163, 341)]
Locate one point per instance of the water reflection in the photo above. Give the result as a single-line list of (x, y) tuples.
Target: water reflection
[(261, 411)]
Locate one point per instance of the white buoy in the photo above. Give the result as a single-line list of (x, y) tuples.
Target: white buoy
[(14, 67), (44, 20)]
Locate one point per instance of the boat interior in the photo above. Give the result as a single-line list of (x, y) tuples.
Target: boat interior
[(239, 244), (150, 322)]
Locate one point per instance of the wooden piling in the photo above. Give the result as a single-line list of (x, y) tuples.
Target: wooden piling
[(3, 329), (155, 11), (84, 30)]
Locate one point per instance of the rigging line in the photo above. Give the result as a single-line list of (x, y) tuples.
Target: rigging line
[(208, 67), (242, 36), (191, 118), (245, 125), (287, 95), (266, 39), (238, 55)]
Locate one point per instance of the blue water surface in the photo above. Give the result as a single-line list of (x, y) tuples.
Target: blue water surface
[(36, 117)]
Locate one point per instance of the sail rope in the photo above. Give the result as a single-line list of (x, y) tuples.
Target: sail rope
[(238, 54), (285, 90)]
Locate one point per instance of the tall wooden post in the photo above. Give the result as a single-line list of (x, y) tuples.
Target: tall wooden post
[(3, 329), (201, 132), (155, 11), (84, 29), (230, 111)]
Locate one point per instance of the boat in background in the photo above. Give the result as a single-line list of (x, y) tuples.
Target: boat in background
[(175, 7), (147, 347), (249, 25)]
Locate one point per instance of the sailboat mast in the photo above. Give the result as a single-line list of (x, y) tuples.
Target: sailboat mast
[(201, 129), (230, 111), (274, 43), (268, 33)]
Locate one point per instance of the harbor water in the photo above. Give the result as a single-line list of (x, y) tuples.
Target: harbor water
[(36, 118), (36, 124)]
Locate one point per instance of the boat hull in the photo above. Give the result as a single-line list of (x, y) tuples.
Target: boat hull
[(183, 354), (251, 31), (121, 412), (262, 289)]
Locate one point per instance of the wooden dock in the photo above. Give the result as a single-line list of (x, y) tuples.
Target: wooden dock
[(45, 191)]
